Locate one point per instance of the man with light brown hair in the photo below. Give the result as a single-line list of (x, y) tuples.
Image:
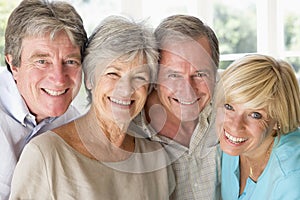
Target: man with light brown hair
[(178, 111), (44, 44)]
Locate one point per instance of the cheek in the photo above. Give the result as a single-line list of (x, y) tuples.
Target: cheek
[(220, 118), (165, 85), (260, 132), (101, 89), (142, 94), (163, 91), (77, 75), (205, 87), (29, 84)]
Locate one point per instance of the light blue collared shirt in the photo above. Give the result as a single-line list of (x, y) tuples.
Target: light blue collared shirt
[(17, 127), (280, 179)]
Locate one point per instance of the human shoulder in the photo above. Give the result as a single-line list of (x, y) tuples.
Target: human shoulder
[(287, 152), (46, 141), (287, 187)]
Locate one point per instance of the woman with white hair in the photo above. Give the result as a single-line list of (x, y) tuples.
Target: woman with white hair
[(98, 156)]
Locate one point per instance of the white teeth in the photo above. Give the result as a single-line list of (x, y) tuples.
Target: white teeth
[(54, 93), (235, 140), (124, 103), (186, 102)]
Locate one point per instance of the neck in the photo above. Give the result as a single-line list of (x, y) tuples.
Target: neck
[(105, 140), (257, 163)]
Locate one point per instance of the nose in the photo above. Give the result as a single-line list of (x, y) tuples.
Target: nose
[(124, 87), (58, 74), (236, 122), (186, 88)]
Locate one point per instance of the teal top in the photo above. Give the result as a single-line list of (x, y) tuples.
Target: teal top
[(279, 180)]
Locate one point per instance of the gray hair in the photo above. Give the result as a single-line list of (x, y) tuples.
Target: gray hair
[(176, 27), (118, 37), (40, 17)]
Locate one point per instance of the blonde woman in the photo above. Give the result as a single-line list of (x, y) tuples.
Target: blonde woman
[(258, 114)]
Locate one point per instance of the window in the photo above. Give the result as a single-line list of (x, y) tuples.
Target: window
[(291, 20), (156, 12), (235, 26), (5, 9), (93, 11), (264, 26)]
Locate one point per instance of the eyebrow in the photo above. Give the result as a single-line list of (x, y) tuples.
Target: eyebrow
[(179, 72), (113, 67), (137, 70), (45, 55), (74, 55), (173, 71), (39, 55), (204, 71)]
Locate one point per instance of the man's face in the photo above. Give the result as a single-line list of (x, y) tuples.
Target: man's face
[(186, 78), (49, 76)]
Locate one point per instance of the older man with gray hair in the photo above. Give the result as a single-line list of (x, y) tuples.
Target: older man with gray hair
[(44, 43)]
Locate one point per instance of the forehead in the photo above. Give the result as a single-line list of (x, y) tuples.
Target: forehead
[(192, 52), (48, 36), (59, 42), (124, 64)]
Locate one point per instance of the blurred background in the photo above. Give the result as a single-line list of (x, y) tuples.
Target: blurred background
[(250, 26)]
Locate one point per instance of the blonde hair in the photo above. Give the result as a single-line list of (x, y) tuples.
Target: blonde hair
[(262, 82)]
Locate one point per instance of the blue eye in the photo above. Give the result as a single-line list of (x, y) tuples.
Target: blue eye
[(41, 62), (228, 107), (256, 115)]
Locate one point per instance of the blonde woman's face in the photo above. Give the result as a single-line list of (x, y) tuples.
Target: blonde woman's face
[(241, 130), (121, 91)]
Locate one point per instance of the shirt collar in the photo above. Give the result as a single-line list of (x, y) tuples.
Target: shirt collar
[(11, 99), (13, 102), (197, 135)]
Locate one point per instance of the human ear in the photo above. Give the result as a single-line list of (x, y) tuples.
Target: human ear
[(14, 69), (88, 84), (277, 128)]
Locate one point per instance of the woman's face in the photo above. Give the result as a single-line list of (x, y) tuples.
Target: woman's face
[(121, 90), (241, 130)]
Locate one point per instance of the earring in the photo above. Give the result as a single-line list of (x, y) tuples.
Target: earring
[(278, 126)]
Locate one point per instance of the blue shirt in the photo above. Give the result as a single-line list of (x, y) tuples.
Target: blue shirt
[(280, 179), (17, 127)]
